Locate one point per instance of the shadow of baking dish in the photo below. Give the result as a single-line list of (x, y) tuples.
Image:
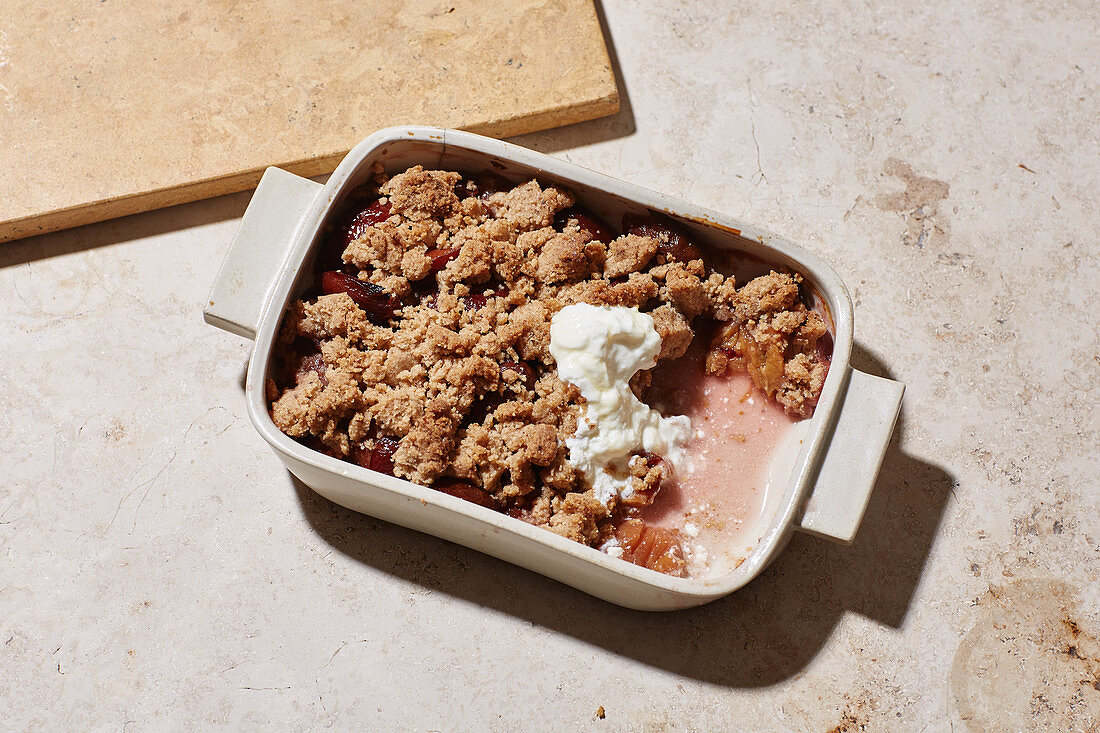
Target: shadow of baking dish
[(124, 229), (762, 634)]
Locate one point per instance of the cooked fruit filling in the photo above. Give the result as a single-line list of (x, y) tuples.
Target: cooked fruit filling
[(498, 342)]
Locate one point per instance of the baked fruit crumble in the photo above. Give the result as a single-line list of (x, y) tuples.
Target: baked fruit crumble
[(424, 350)]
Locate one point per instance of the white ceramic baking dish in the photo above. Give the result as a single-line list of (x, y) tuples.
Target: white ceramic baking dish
[(269, 264)]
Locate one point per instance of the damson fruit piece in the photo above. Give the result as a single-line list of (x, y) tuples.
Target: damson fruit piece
[(379, 458), (465, 188), (478, 301), (465, 491), (825, 348), (373, 214), (474, 302), (587, 223), (656, 548), (331, 257), (375, 301), (483, 406), (440, 257), (312, 363), (482, 186), (671, 241), (523, 369)]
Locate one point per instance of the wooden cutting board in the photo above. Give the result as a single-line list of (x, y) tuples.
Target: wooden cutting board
[(108, 108)]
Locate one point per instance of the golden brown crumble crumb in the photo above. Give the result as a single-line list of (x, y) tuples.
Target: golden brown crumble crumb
[(579, 516), (529, 206), (629, 253), (418, 194), (568, 256), (674, 329), (430, 357)]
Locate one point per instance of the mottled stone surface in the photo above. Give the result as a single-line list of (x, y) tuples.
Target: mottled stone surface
[(161, 569), (114, 108)]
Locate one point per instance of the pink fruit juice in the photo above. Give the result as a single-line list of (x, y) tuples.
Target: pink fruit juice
[(742, 449)]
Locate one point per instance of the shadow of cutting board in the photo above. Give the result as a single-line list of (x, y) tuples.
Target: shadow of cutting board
[(108, 108)]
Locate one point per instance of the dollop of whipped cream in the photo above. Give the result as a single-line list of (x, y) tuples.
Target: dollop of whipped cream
[(598, 349)]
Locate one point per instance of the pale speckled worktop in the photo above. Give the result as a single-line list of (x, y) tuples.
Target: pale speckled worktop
[(161, 570)]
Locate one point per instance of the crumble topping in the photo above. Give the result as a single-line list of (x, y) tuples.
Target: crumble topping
[(425, 349), (771, 333)]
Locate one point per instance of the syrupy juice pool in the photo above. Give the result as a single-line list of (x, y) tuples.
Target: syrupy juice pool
[(742, 452)]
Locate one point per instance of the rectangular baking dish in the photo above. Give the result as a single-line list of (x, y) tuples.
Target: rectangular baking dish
[(269, 264)]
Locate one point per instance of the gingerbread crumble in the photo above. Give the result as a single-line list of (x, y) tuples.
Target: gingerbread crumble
[(423, 350)]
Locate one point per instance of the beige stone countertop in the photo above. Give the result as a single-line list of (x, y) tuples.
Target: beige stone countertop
[(162, 571)]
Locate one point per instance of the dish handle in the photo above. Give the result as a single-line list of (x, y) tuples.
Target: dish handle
[(259, 251), (857, 445)]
